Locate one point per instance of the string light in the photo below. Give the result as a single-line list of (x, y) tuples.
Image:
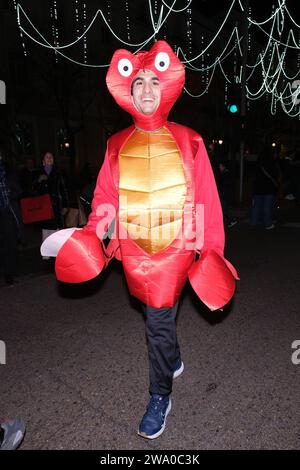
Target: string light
[(127, 20), (77, 17), (216, 35), (165, 30), (45, 43), (298, 55), (20, 30), (153, 15), (235, 62), (189, 31), (207, 80), (84, 31), (271, 66), (108, 11), (267, 76), (220, 57), (171, 8), (202, 59), (226, 93), (249, 33), (249, 51), (81, 14), (54, 25)]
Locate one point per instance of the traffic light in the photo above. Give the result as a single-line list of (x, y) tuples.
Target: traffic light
[(233, 98), (232, 108)]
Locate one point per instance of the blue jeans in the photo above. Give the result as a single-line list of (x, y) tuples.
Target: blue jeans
[(263, 206)]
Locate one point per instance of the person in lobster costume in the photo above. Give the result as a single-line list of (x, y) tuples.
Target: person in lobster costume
[(157, 185)]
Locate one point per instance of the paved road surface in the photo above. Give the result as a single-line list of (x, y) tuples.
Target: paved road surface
[(76, 366)]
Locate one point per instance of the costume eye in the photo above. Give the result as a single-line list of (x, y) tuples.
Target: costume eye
[(125, 67), (162, 61)]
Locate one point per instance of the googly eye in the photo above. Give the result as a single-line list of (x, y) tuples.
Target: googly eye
[(125, 67), (162, 61)]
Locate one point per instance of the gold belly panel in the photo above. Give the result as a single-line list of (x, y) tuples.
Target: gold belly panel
[(152, 189)]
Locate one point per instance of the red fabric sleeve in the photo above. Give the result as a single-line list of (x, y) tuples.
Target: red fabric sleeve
[(212, 276), (206, 193), (81, 258), (213, 279), (84, 256), (105, 201)]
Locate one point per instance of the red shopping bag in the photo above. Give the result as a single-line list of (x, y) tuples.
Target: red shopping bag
[(36, 208)]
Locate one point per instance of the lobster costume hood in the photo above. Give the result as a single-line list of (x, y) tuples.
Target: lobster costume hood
[(162, 61), (157, 184)]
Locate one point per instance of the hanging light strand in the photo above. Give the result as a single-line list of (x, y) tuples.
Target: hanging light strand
[(56, 38), (189, 32), (269, 68), (84, 31), (226, 93), (108, 11), (20, 30), (77, 18), (298, 55), (202, 59), (54, 26), (207, 80), (127, 20)]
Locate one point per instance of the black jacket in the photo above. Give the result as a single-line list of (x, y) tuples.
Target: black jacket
[(53, 184)]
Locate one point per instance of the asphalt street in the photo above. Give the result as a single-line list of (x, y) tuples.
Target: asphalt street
[(76, 359)]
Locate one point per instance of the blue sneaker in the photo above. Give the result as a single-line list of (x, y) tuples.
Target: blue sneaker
[(154, 420), (179, 366)]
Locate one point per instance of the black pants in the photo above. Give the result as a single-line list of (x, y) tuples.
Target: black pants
[(163, 347)]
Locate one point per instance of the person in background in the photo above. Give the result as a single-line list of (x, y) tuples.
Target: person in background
[(51, 181), (265, 189), (27, 177), (293, 176), (11, 226), (225, 185), (87, 184)]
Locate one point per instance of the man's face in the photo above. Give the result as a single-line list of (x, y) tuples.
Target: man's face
[(146, 92)]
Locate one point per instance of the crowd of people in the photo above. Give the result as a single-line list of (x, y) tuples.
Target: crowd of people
[(29, 182), (273, 179)]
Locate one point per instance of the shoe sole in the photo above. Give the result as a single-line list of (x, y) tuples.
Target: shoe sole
[(154, 436), (179, 371)]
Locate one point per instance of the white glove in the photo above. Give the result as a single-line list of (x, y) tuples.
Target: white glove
[(53, 243)]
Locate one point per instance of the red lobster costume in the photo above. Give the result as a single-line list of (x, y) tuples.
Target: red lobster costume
[(157, 183)]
